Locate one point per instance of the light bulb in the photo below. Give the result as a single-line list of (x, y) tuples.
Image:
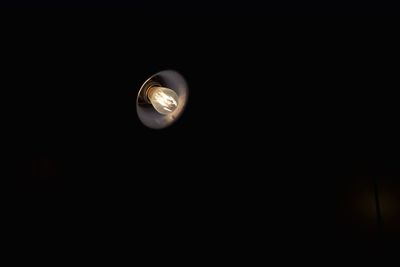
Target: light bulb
[(161, 99), (164, 100)]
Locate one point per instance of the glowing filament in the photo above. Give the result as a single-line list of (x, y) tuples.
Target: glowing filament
[(164, 100)]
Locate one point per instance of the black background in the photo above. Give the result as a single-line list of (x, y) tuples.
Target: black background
[(288, 123), (217, 8)]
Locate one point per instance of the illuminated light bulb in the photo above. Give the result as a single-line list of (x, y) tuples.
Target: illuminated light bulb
[(161, 99), (164, 100)]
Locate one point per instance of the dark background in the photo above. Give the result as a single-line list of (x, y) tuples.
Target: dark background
[(217, 8), (289, 123)]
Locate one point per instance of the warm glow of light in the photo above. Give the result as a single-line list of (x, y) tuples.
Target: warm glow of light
[(164, 100)]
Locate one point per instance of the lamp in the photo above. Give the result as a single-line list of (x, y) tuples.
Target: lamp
[(162, 99)]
